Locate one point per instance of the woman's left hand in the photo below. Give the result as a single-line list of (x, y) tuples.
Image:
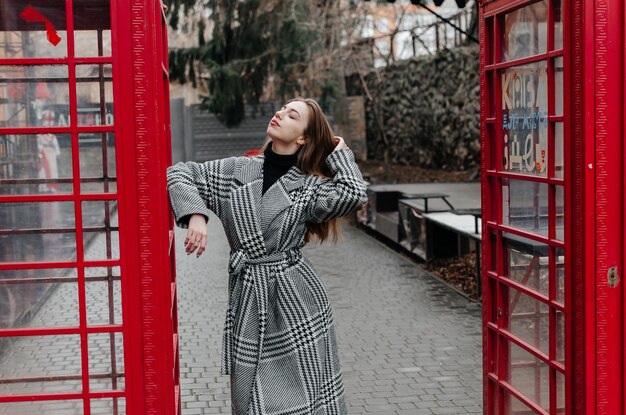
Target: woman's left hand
[(341, 144)]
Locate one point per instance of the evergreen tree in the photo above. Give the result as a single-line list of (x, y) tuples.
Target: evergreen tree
[(253, 41)]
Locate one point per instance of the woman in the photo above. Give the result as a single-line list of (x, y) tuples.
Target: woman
[(279, 344)]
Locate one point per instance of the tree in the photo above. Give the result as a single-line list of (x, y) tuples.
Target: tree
[(288, 43)]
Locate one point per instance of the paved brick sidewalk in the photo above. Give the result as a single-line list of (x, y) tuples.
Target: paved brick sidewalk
[(408, 343)]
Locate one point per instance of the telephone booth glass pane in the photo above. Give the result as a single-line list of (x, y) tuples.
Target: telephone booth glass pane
[(103, 296), (530, 376), (558, 86), (525, 31), (92, 33), (528, 267), (40, 364), (106, 361), (37, 231), (525, 205), (559, 161), (33, 95), (24, 33), (65, 407), (115, 406), (36, 164), (525, 119), (558, 24), (94, 92), (97, 163), (20, 289)]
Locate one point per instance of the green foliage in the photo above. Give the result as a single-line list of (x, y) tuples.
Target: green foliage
[(226, 99), (251, 41)]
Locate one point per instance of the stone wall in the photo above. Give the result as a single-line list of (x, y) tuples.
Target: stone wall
[(429, 110), (349, 123)]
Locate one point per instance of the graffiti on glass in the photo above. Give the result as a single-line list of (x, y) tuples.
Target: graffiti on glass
[(525, 119)]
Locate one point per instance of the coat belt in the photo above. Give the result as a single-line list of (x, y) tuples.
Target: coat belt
[(239, 262)]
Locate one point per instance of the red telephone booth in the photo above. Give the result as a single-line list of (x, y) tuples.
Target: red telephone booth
[(552, 134), (87, 282)]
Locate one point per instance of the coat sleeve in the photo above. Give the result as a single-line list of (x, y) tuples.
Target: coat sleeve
[(194, 188), (342, 195)]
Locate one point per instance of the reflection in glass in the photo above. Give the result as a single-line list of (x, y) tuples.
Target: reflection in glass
[(24, 35), (493, 401), (35, 164), (33, 232), (525, 31), (115, 406), (101, 232), (34, 96), (106, 361), (74, 407), (23, 294), (525, 119), (559, 161), (92, 42), (92, 27), (94, 94), (560, 337), (103, 296), (559, 199), (101, 245), (516, 406), (30, 357), (560, 275), (529, 320), (525, 205), (560, 393), (558, 86), (493, 352), (530, 376), (97, 162), (527, 262), (558, 24), (99, 214)]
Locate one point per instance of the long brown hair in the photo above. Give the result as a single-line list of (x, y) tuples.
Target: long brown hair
[(320, 143)]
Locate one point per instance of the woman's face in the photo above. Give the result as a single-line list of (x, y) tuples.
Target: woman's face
[(288, 124)]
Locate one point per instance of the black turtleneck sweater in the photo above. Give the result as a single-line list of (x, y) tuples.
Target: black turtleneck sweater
[(276, 165)]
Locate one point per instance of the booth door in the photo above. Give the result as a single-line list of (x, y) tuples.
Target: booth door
[(87, 293), (526, 306)]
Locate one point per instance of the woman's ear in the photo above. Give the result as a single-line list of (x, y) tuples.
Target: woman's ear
[(301, 140)]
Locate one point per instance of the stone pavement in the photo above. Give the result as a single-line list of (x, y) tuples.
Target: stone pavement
[(408, 343)]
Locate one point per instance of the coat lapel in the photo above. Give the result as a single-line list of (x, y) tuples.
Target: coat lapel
[(245, 204), (253, 211), (278, 197)]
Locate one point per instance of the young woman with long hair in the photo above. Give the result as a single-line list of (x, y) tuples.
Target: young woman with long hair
[(279, 345)]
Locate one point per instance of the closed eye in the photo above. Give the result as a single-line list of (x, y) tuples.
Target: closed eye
[(290, 109)]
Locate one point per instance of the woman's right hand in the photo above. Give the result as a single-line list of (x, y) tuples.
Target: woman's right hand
[(196, 235), (339, 143)]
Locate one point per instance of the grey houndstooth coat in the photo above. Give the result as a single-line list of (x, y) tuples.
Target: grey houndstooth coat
[(279, 344)]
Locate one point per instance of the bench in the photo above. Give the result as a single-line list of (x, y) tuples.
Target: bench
[(425, 223), (425, 197), (463, 229)]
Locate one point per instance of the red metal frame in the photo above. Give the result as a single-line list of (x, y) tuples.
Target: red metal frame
[(146, 260), (594, 73), (501, 295), (608, 24)]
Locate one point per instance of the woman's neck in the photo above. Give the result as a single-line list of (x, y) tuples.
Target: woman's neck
[(284, 149)]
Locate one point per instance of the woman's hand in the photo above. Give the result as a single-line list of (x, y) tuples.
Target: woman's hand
[(196, 235), (341, 144)]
